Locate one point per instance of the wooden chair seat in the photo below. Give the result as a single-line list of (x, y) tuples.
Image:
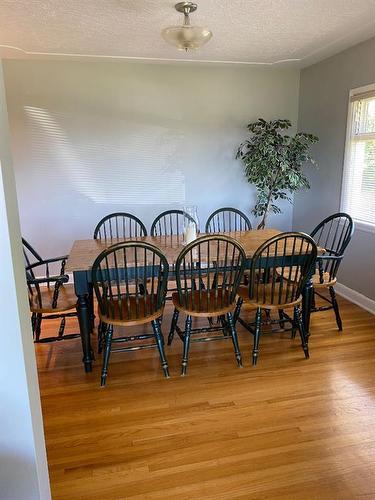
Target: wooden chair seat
[(269, 292), (327, 281), (67, 300), (204, 303), (133, 312)]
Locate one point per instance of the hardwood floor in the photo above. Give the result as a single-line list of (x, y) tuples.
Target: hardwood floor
[(288, 429)]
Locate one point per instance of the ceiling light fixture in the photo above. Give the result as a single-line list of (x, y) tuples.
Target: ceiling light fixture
[(186, 37)]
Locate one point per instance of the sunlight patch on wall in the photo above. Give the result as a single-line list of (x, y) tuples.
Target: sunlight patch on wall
[(108, 160)]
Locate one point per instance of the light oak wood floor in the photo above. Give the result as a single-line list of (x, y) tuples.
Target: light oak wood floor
[(288, 429)]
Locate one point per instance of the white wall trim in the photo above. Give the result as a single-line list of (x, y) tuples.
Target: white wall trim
[(356, 297)]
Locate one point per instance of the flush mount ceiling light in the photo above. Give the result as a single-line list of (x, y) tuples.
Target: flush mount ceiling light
[(186, 37)]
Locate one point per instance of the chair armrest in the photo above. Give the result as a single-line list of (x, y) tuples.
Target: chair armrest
[(61, 279), (329, 257), (54, 259)]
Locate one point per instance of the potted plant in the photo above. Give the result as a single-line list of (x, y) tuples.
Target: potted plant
[(273, 162)]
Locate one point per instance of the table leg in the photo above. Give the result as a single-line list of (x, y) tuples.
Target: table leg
[(307, 300), (83, 311)]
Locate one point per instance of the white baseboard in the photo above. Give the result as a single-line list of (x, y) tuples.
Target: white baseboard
[(356, 297)]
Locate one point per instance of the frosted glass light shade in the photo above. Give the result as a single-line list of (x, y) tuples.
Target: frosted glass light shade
[(186, 37)]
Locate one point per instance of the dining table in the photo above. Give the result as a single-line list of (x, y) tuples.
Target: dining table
[(84, 252)]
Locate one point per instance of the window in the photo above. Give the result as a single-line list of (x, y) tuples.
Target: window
[(358, 194)]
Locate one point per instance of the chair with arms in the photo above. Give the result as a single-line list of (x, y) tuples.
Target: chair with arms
[(333, 234), (208, 274), (116, 275), (279, 270), (119, 225), (50, 296), (227, 219)]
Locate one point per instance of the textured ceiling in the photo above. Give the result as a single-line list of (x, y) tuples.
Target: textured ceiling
[(248, 31)]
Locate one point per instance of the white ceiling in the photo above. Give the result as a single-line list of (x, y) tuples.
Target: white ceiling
[(297, 32)]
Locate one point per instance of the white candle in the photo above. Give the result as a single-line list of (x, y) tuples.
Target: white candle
[(191, 232)]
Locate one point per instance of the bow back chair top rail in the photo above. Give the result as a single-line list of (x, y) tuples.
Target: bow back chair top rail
[(130, 283), (169, 223), (50, 295), (333, 234), (208, 274), (119, 225), (227, 219), (279, 271)]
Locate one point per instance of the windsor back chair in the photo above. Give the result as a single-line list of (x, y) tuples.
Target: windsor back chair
[(50, 295), (279, 270), (227, 219), (169, 222), (119, 225), (208, 274), (117, 274), (333, 234)]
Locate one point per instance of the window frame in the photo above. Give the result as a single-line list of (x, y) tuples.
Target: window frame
[(360, 224)]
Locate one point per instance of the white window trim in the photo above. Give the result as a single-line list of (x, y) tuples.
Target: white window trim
[(361, 225)]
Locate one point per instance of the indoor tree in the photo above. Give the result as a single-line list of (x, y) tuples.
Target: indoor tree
[(273, 162)]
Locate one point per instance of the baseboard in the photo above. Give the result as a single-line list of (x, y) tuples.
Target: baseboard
[(356, 297)]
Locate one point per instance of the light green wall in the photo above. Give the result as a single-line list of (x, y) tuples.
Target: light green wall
[(90, 138)]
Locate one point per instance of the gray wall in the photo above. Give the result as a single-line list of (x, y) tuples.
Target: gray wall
[(91, 138), (323, 107), (23, 462)]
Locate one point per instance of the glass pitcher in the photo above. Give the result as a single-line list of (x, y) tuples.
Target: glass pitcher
[(191, 223)]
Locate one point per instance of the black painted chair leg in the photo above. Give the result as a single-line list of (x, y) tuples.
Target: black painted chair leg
[(38, 326), (107, 352), (313, 303), (160, 343), (175, 316), (224, 325), (61, 328), (258, 323), (295, 322), (237, 310), (302, 332), (91, 304), (185, 355), (101, 335), (336, 308), (33, 323), (281, 319), (234, 336)]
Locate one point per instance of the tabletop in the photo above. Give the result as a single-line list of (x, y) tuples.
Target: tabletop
[(84, 252)]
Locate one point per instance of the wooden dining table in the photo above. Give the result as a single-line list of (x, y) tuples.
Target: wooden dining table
[(84, 253)]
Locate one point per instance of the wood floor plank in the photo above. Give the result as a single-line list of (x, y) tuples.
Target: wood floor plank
[(288, 429)]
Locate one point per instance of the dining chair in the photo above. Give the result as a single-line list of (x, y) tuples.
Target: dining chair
[(50, 295), (227, 219), (333, 234), (119, 225), (279, 270), (169, 223), (208, 274), (116, 275)]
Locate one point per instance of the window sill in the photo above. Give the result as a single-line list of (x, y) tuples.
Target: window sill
[(364, 226)]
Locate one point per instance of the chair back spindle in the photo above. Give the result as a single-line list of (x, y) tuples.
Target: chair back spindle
[(280, 268), (119, 225), (227, 219), (130, 281), (169, 223), (208, 273), (333, 234)]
